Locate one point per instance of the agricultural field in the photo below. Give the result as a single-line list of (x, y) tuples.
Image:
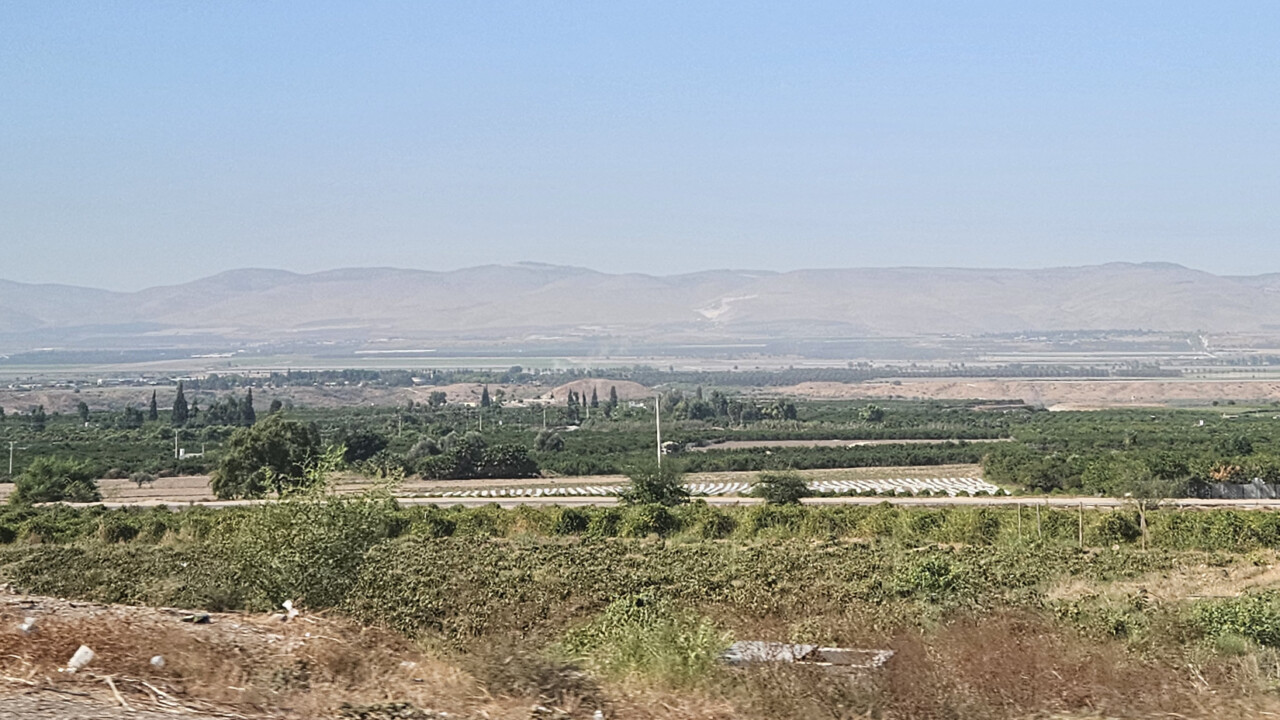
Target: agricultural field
[(563, 612), (517, 560)]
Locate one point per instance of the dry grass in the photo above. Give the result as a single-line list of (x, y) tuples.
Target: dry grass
[(992, 666), (1002, 666), (1260, 570), (258, 665)]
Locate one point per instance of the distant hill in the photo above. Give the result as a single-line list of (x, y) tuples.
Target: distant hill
[(544, 302)]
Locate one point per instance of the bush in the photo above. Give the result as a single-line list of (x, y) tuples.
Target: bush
[(1115, 528), (55, 480), (570, 521), (644, 520), (781, 488), (656, 485), (642, 636), (1254, 617)]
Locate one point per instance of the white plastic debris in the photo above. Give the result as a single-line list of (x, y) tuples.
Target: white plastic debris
[(28, 626), (82, 657), (157, 661), (598, 715), (290, 611)]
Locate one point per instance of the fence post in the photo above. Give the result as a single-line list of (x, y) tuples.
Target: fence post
[(1082, 524)]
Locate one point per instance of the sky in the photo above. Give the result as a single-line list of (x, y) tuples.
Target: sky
[(148, 143)]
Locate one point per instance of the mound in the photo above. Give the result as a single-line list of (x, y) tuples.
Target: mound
[(627, 390)]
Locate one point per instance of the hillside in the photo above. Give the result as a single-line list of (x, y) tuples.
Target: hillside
[(549, 304)]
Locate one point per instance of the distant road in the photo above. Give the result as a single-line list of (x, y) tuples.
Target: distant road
[(751, 444)]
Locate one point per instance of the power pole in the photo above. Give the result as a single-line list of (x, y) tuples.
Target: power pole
[(10, 458), (657, 423)]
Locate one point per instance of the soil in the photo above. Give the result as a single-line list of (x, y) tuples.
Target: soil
[(221, 665), (1053, 394)]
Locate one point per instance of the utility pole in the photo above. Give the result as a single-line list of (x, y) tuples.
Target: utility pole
[(657, 423), (11, 458)]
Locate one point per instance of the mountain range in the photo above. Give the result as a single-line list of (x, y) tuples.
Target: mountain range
[(525, 300)]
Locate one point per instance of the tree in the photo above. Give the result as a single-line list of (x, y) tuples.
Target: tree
[(82, 409), (153, 410), (142, 478), (247, 415), (132, 418), (595, 399), (39, 418), (274, 455), (49, 479), (613, 396), (781, 488), (484, 397), (361, 445), (277, 406), (548, 441), (437, 398), (871, 414), (181, 412), (653, 484)]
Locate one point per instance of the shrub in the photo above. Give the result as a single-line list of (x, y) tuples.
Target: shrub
[(781, 488), (641, 636), (570, 521), (1254, 617), (656, 485), (55, 480), (604, 522), (643, 520), (1115, 528)]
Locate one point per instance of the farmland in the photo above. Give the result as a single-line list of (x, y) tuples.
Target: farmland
[(483, 560)]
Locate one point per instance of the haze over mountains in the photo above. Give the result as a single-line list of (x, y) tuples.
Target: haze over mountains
[(522, 301)]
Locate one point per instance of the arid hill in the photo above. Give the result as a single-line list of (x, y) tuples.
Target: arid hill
[(541, 304)]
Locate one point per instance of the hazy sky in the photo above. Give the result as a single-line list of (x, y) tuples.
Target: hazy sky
[(147, 143)]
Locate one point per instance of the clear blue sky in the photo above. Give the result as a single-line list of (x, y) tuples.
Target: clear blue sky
[(146, 143)]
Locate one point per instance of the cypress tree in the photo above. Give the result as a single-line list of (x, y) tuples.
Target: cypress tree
[(595, 399), (181, 411), (153, 412), (247, 415), (484, 397)]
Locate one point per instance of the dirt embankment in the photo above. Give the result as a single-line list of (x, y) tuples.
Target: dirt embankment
[(214, 665), (1055, 394)]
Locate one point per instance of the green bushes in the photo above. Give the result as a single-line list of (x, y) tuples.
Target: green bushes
[(644, 636), (1254, 617), (49, 479), (1227, 530), (781, 488)]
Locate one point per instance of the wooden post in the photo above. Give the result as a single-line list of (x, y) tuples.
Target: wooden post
[(1039, 533), (1019, 522), (1142, 521), (1081, 523)]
